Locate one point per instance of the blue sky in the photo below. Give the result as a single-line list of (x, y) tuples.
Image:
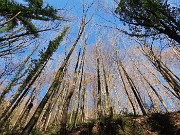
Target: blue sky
[(73, 8)]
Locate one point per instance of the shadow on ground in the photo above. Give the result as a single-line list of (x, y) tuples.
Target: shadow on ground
[(164, 124)]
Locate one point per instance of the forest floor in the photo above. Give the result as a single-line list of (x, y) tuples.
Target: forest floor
[(154, 124)]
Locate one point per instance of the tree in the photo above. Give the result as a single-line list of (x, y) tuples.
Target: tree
[(14, 12), (134, 89), (69, 96), (108, 101), (172, 79), (35, 3), (16, 77), (32, 76), (99, 107), (17, 23), (57, 81), (81, 69), (150, 17)]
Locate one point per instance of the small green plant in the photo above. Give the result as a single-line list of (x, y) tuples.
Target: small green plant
[(35, 132)]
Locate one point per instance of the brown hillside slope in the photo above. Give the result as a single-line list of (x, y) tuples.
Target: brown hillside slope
[(154, 124)]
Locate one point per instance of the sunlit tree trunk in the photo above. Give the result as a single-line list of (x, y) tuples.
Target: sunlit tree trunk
[(32, 76), (125, 89), (152, 107), (154, 90), (68, 98), (80, 86), (55, 84), (83, 101), (107, 99), (167, 74), (99, 108), (135, 91), (160, 83), (119, 64)]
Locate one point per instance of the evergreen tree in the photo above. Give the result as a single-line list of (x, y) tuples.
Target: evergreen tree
[(14, 13), (150, 17)]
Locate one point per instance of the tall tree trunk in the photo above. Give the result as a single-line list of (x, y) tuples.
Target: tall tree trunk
[(167, 74), (99, 108), (154, 90), (125, 89), (165, 87), (108, 102), (68, 99), (152, 107), (15, 78), (32, 76), (80, 86), (83, 101), (21, 121), (57, 82), (134, 90), (124, 84)]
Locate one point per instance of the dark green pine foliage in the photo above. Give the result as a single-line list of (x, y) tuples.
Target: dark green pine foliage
[(150, 17), (35, 3), (14, 12)]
